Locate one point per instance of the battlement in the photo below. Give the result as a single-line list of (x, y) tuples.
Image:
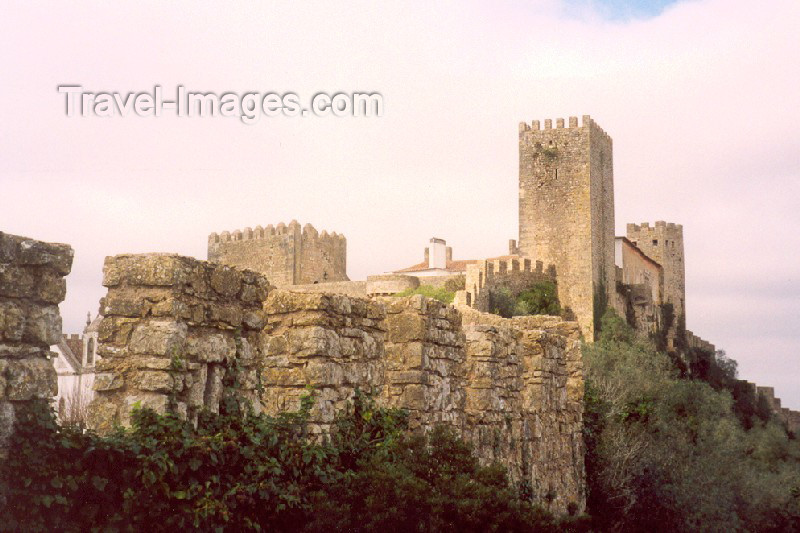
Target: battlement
[(560, 123), (73, 337), (693, 341), (516, 273), (293, 228), (288, 254), (660, 227)]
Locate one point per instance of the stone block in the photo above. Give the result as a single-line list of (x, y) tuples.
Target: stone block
[(313, 341), (226, 314), (322, 372), (413, 397), (51, 287), (283, 377), (210, 347), (16, 282), (226, 281), (12, 320), (126, 304), (43, 326), (57, 256), (158, 337), (408, 377), (153, 381), (482, 400), (145, 400), (30, 378), (406, 327), (108, 381), (254, 319), (153, 270), (116, 330)]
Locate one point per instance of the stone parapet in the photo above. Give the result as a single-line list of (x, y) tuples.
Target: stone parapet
[(176, 330), (173, 329), (32, 285), (332, 343)]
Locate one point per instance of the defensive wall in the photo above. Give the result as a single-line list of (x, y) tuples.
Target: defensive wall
[(32, 285), (287, 254), (179, 333)]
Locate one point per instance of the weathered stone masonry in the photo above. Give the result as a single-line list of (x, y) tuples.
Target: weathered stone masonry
[(566, 210), (513, 387), (172, 328), (286, 254), (31, 287)]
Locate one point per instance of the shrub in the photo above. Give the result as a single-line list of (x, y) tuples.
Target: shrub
[(540, 299), (243, 472), (429, 291), (670, 454)]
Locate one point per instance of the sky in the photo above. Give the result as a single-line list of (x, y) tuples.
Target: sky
[(699, 96)]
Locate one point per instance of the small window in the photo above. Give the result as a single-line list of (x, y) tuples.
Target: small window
[(90, 352), (655, 242)]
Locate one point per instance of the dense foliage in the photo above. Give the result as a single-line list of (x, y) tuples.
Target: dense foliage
[(673, 453), (539, 299), (239, 471)]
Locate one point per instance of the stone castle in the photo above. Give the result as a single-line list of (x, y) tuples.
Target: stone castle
[(275, 308)]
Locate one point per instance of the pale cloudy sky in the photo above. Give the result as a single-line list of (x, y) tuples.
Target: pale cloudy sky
[(700, 97)]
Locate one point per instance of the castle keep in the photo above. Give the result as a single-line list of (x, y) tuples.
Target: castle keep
[(286, 254), (566, 210)]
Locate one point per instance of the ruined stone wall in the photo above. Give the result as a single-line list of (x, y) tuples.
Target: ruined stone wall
[(285, 254), (566, 210), (177, 331), (664, 244), (32, 285), (513, 388), (172, 329), (525, 400), (331, 342)]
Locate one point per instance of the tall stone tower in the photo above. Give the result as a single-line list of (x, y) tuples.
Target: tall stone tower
[(566, 211), (664, 244)]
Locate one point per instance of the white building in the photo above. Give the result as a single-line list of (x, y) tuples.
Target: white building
[(75, 360)]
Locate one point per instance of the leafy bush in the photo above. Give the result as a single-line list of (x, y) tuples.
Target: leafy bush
[(429, 291), (239, 471), (502, 302), (456, 283), (540, 299)]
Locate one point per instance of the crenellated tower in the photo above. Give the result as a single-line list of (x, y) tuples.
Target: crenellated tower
[(566, 210), (286, 254), (664, 244)]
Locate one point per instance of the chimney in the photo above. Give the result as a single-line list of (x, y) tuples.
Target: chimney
[(438, 254)]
